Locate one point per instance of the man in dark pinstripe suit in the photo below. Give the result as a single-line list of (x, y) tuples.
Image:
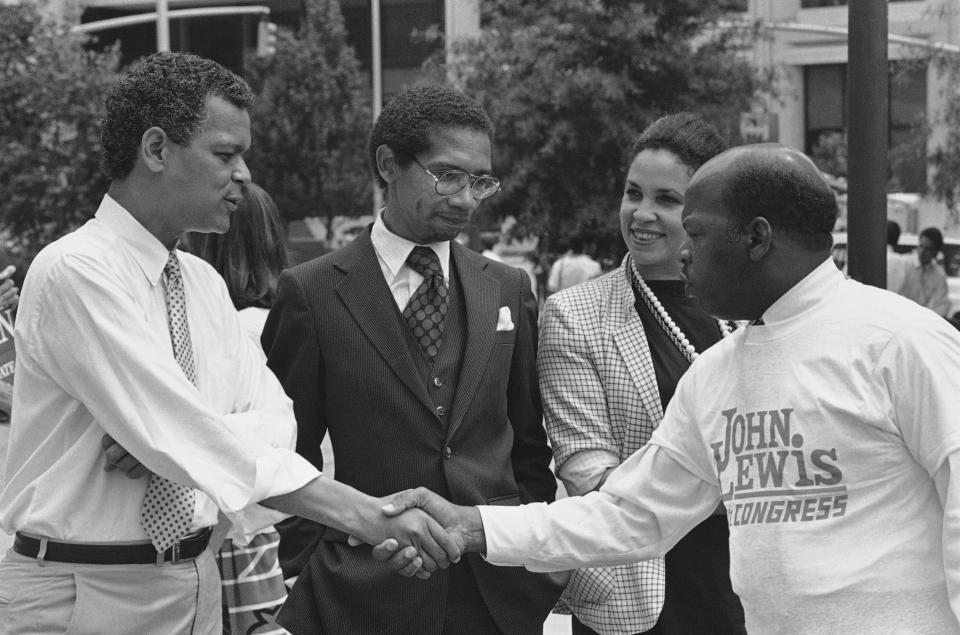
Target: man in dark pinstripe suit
[(418, 357)]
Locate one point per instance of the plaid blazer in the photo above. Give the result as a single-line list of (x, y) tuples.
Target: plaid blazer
[(600, 393)]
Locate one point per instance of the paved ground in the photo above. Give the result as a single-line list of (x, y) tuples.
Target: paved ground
[(555, 624)]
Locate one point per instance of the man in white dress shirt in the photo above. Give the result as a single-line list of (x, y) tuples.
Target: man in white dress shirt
[(122, 337), (827, 428), (925, 282)]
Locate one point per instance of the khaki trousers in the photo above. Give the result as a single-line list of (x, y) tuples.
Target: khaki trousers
[(139, 599)]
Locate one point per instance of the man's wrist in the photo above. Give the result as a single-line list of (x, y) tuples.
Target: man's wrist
[(472, 524)]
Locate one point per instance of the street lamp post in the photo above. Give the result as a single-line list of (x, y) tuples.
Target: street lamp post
[(163, 25), (867, 147), (376, 72)]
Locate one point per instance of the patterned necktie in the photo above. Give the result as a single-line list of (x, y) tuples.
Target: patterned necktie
[(427, 308), (167, 511)]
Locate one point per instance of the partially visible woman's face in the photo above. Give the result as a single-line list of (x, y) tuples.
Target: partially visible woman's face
[(650, 212)]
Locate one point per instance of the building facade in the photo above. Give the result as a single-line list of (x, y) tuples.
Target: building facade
[(806, 49)]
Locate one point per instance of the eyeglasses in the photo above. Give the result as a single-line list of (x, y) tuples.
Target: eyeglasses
[(449, 182)]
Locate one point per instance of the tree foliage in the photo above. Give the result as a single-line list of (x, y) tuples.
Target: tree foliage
[(51, 103), (945, 157), (311, 120), (569, 85)]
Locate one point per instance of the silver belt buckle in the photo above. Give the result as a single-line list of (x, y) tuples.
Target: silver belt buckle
[(42, 552), (175, 551)]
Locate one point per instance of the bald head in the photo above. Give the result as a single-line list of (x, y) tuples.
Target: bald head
[(758, 220), (778, 183)]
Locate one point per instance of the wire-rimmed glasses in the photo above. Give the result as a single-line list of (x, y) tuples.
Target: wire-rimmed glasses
[(449, 182)]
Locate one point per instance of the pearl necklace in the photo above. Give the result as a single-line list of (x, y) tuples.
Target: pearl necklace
[(666, 322)]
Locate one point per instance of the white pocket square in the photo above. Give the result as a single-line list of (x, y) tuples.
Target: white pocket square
[(504, 321)]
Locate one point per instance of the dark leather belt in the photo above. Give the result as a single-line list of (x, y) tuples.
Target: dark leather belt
[(190, 546)]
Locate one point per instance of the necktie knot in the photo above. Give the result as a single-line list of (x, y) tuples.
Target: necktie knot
[(172, 269), (424, 261)]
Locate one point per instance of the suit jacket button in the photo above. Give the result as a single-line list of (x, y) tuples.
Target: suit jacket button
[(441, 411), (447, 452), (437, 382)]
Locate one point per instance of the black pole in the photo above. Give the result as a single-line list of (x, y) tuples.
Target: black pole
[(867, 146)]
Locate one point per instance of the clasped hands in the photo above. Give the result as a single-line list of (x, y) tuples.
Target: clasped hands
[(461, 526)]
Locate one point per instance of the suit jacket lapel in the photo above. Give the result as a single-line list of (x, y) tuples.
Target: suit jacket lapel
[(365, 293), (634, 350), (481, 294)]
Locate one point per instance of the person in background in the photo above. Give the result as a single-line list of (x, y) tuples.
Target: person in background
[(489, 242), (898, 264), (925, 282), (249, 257), (609, 364), (573, 267), (418, 356)]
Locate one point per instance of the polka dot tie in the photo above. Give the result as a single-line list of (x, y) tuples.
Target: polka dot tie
[(427, 308), (167, 511)]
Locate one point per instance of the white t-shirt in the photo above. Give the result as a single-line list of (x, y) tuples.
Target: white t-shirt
[(831, 434)]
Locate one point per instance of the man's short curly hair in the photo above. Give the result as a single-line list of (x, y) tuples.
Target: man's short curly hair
[(405, 123), (166, 90)]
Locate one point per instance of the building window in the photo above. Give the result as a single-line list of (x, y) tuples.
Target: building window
[(826, 108), (825, 90)]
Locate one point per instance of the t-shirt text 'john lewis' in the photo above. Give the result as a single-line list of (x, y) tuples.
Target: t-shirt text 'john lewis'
[(768, 476)]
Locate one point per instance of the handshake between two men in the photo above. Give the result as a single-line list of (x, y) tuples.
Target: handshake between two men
[(461, 531)]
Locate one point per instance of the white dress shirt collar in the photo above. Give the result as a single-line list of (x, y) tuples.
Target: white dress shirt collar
[(149, 252), (394, 250)]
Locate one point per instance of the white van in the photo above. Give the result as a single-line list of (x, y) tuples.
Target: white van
[(949, 259)]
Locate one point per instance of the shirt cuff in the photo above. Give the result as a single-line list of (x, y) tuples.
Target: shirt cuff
[(281, 472), (509, 532), (581, 473), (278, 472), (252, 521), (275, 476)]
